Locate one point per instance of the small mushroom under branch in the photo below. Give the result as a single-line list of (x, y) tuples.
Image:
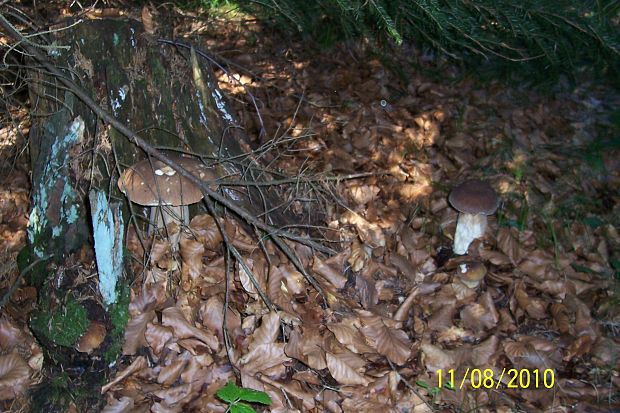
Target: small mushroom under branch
[(154, 184), (474, 200), (471, 273)]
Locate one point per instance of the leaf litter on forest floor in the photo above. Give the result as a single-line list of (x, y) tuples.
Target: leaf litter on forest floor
[(398, 310)]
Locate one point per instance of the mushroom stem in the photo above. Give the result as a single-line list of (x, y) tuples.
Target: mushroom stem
[(468, 228), (162, 216)]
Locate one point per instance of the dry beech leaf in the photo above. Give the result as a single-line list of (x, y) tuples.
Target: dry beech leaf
[(157, 337), (540, 343), (480, 316), (307, 376), (294, 391), (192, 345), (329, 273), (330, 400), (582, 345), (482, 353), (134, 332), (558, 289), (123, 405), (350, 337), (455, 334), (172, 369), (538, 264), (508, 243), (419, 257), (579, 389), (154, 286), (268, 331), (240, 239), (524, 355), (435, 358), (278, 292), (412, 192), (462, 293), (473, 317), (428, 267), (258, 273), (137, 365), (342, 372), (506, 322), (304, 252), (212, 316), (584, 324), (359, 256), (419, 290), (263, 358), (559, 312), (213, 273), (10, 336), (204, 228), (494, 257), (215, 376), (133, 244), (171, 396), (363, 194), (447, 294), (352, 360), (149, 298), (294, 280), (362, 405), (307, 346), (371, 234), (147, 20), (14, 376), (535, 307), (198, 368), (173, 317), (389, 342), (411, 239), (191, 252), (366, 290), (406, 267), (160, 253), (279, 402), (442, 317), (605, 351)]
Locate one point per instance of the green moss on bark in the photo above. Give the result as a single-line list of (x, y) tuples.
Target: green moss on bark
[(62, 326)]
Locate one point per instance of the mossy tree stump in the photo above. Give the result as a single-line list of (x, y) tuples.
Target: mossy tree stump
[(166, 95)]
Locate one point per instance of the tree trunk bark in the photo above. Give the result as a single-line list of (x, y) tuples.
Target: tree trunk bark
[(172, 101), (152, 88)]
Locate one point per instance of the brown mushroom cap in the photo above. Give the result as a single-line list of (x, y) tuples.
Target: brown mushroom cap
[(471, 272), (474, 197), (146, 181)]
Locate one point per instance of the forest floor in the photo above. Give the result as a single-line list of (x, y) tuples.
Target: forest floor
[(540, 332)]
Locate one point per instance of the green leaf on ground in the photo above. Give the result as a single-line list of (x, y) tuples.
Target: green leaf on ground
[(231, 393)]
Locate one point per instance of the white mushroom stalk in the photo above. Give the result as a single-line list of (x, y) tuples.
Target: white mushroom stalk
[(468, 228), (163, 215)]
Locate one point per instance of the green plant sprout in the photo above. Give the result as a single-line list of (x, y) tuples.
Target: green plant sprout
[(237, 396), (434, 391)]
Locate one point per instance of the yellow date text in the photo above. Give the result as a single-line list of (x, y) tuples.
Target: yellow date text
[(490, 379)]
